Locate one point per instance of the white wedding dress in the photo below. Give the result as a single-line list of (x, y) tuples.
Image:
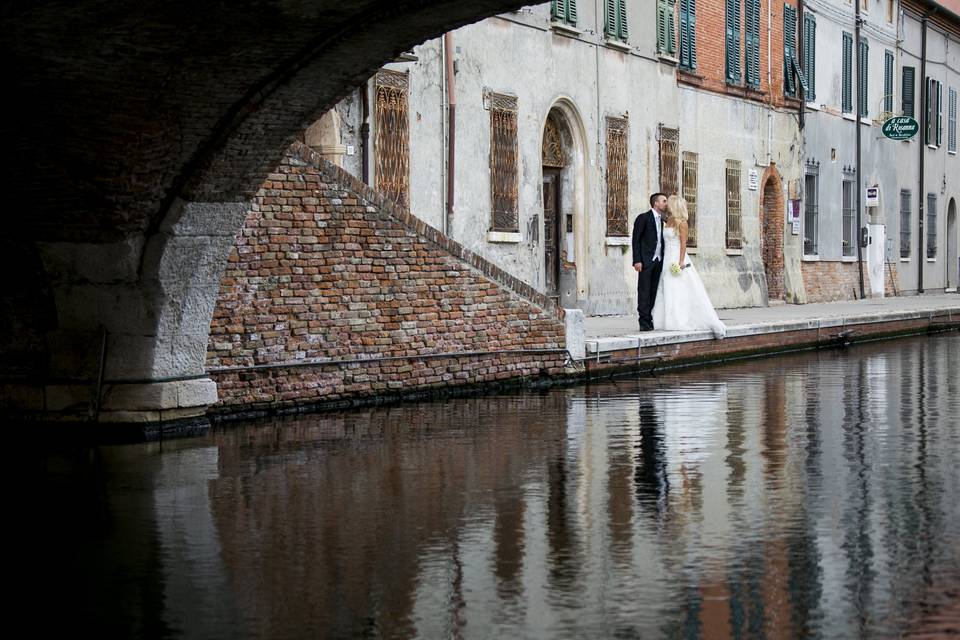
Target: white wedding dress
[(682, 302)]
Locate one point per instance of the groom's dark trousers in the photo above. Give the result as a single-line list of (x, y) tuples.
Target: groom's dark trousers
[(647, 282)]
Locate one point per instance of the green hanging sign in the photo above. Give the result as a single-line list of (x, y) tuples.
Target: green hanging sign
[(900, 128)]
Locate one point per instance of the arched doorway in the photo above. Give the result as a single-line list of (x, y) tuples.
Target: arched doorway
[(953, 244), (562, 160), (771, 233)]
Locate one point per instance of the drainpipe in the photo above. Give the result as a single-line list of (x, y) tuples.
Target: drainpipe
[(769, 85), (365, 134), (921, 260), (856, 49), (451, 128), (803, 97)]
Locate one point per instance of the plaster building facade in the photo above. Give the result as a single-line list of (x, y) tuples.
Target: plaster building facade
[(566, 117)]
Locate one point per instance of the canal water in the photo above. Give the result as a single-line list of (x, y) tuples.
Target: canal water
[(815, 495)]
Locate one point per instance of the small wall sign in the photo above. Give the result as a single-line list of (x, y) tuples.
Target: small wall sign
[(754, 180), (872, 197)]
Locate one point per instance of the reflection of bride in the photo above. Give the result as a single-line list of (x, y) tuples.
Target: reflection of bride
[(682, 303)]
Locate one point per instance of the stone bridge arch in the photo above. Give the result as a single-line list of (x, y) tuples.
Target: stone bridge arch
[(132, 159)]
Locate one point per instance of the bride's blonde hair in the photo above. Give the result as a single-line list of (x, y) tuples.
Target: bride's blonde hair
[(677, 207)]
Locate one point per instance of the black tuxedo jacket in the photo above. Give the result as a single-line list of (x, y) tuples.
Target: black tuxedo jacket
[(645, 238)]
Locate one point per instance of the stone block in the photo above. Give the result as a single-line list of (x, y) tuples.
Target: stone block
[(575, 333)]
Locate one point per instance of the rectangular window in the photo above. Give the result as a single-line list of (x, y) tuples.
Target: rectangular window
[(688, 34), (888, 81), (732, 31), (810, 56), (564, 11), (669, 160), (933, 134), (617, 182), (666, 33), (615, 20), (931, 225), (849, 220), (847, 88), (905, 197), (392, 140), (734, 229), (751, 49), (690, 195), (504, 155), (810, 215), (908, 91), (789, 49), (889, 10), (863, 84), (952, 121)]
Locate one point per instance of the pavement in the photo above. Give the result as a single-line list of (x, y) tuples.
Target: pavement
[(607, 333)]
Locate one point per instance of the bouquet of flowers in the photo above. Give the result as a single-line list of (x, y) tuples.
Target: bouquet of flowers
[(675, 268)]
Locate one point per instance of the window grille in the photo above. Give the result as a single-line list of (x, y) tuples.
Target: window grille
[(905, 198), (504, 154), (734, 229), (669, 160), (617, 177), (690, 195), (392, 142), (931, 225)]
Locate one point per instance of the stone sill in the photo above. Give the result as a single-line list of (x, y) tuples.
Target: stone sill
[(952, 153), (668, 59), (618, 241), (734, 252), (810, 259), (618, 45), (904, 259), (564, 29), (508, 237), (848, 258), (932, 146), (813, 106), (686, 76), (692, 250), (931, 260), (866, 121)]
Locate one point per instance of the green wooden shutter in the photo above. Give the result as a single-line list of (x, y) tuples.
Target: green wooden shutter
[(939, 113), (888, 81), (752, 42), (661, 26), (928, 112), (671, 25), (622, 31), (688, 34), (789, 49), (847, 89), (564, 10), (733, 41), (610, 19), (572, 12), (908, 90), (810, 56), (863, 82)]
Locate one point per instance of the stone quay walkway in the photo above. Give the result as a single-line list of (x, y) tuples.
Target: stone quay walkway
[(615, 341)]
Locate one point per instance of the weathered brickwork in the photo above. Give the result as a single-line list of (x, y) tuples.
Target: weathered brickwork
[(772, 222), (827, 281), (710, 73), (336, 294)]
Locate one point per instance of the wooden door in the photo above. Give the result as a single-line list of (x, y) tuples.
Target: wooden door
[(551, 229)]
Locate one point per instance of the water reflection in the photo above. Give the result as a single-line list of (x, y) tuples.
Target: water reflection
[(809, 496)]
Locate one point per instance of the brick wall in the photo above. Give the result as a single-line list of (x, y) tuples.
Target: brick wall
[(710, 73), (333, 293), (826, 281)]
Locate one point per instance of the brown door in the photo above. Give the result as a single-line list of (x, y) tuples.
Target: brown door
[(551, 229)]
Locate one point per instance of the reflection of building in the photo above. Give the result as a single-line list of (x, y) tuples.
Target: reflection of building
[(567, 119)]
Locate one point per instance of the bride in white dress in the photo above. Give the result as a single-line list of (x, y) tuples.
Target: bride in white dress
[(682, 302)]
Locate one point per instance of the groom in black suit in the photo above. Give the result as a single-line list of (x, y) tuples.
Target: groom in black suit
[(648, 257)]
